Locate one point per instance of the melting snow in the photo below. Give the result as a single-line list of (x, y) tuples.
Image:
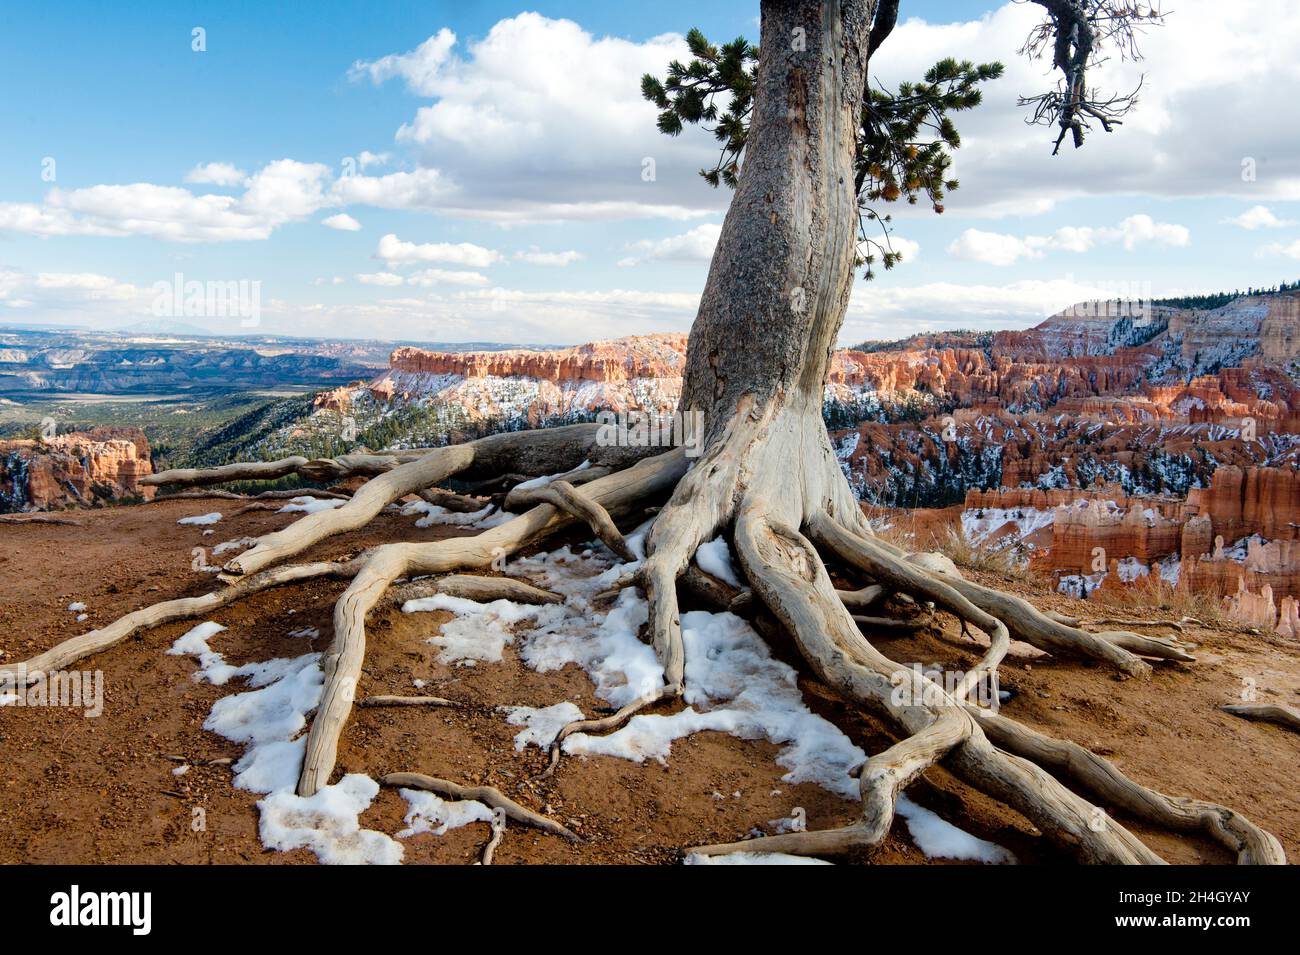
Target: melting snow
[(430, 813), (310, 505), (734, 685), (714, 558), (201, 519), (436, 514), (754, 858)]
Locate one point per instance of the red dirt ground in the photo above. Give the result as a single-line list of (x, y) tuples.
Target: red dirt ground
[(101, 790)]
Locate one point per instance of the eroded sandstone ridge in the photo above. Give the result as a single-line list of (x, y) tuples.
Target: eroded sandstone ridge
[(1239, 538), (78, 468)]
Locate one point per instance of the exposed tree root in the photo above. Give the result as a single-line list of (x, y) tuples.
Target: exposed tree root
[(490, 850), (451, 501), (39, 518), (862, 598), (605, 724), (488, 795), (316, 469), (525, 494), (957, 595), (891, 623), (616, 492), (1069, 621), (184, 608), (1266, 712), (211, 493), (734, 486), (480, 589), (408, 701), (1103, 779), (566, 497), (789, 576), (549, 446)]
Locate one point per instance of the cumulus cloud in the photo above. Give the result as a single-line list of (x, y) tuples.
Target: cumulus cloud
[(367, 159), (397, 252), (380, 278), (425, 278), (695, 245), (994, 248), (535, 256), (428, 277), (89, 294), (342, 222), (1258, 217), (216, 174), (281, 191), (503, 132), (1290, 250), (908, 249)]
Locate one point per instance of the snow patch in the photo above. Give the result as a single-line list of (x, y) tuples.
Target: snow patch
[(430, 813), (311, 505), (714, 558), (201, 519), (753, 858), (541, 725)]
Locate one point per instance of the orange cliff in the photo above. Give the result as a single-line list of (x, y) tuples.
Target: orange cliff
[(104, 463), (1264, 501), (638, 356), (1258, 505)]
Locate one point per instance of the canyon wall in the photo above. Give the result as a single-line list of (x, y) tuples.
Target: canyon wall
[(78, 468)]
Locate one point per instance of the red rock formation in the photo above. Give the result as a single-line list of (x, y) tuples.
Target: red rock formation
[(1264, 501), (339, 399), (78, 468), (639, 356)]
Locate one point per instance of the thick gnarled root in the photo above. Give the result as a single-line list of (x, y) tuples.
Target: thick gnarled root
[(1284, 716), (184, 608), (1103, 779), (617, 493), (477, 588), (788, 574), (549, 446)]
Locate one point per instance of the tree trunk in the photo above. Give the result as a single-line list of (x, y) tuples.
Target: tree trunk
[(780, 279)]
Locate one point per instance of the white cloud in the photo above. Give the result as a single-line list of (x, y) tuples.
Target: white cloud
[(695, 245), (343, 222), (419, 68), (993, 248), (881, 311), (428, 277), (380, 278), (423, 279), (1290, 250), (504, 135), (908, 249), (88, 294), (367, 159), (535, 256), (396, 252), (216, 174), (281, 191), (1258, 217)]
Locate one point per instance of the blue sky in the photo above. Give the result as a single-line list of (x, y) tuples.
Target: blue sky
[(480, 167)]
